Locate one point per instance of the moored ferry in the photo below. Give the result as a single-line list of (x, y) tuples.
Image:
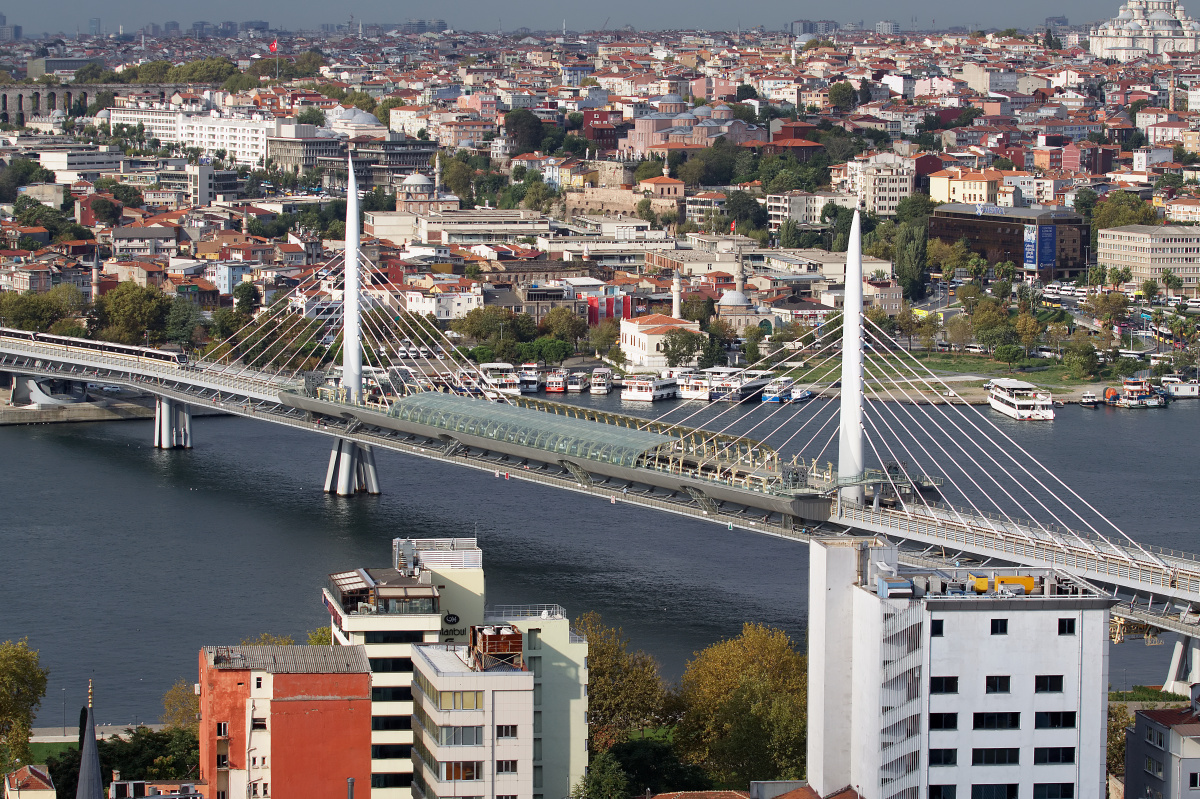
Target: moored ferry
[(556, 381), (502, 377), (698, 385), (746, 383), (1020, 400), (532, 377), (779, 390), (649, 388), (1135, 392), (602, 380), (579, 381)]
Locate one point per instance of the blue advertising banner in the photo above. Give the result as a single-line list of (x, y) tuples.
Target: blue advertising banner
[(1047, 245), (1031, 232)]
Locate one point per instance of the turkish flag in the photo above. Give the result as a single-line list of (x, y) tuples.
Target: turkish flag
[(274, 45), (733, 226)]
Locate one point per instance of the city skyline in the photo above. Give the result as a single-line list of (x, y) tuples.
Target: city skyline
[(544, 15)]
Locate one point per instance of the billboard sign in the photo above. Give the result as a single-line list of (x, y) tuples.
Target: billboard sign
[(1047, 245), (1031, 242)]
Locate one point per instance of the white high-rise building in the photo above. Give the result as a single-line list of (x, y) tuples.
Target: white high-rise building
[(960, 683)]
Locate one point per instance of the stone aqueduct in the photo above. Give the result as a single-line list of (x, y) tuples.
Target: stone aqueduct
[(19, 102)]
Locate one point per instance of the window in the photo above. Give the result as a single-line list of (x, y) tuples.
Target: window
[(266, 789), (506, 730), (1194, 780), (460, 700), (1048, 755), (468, 770), (936, 628), (506, 767), (943, 721), (1155, 738), (506, 796), (533, 639), (995, 757), (1153, 766), (997, 685), (387, 693), (258, 724), (943, 757), (1054, 790), (391, 722), (254, 789), (1048, 684), (394, 637), (390, 751), (222, 729), (942, 791), (997, 721), (999, 627), (460, 736), (390, 665), (993, 792), (222, 761), (1066, 626), (943, 685), (391, 780), (253, 761), (221, 795), (1054, 720), (258, 683)]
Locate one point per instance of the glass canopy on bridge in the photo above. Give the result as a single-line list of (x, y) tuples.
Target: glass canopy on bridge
[(561, 435)]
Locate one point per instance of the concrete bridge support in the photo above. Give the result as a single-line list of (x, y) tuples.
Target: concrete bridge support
[(44, 392), (351, 469), (172, 424), (1185, 666)]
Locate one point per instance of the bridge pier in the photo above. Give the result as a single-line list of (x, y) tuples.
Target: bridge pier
[(351, 469), (1185, 666), (172, 424)]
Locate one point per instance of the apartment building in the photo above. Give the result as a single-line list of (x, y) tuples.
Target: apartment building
[(283, 721), (988, 683), (1148, 250), (473, 717), (1162, 752), (802, 207), (883, 186)]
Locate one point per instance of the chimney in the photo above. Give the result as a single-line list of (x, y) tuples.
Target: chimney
[(676, 296)]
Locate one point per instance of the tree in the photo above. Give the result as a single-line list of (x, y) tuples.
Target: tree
[(182, 320), (1009, 354), (958, 331), (625, 692), (915, 209), (1150, 289), (525, 129), (969, 295), (1171, 281), (22, 686), (907, 322), (789, 234), (713, 354), (741, 207), (246, 298), (1029, 330), (104, 209), (604, 336), (681, 346), (698, 308), (140, 754), (1081, 360), (604, 780), (126, 313), (646, 212), (1121, 208), (1085, 202), (269, 639), (1125, 367), (911, 258), (653, 765), (458, 177), (1119, 719), (320, 636), (181, 707), (842, 95), (744, 708), (565, 325), (1118, 276), (746, 92)]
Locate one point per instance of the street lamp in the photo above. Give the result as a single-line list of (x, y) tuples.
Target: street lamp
[(64, 698)]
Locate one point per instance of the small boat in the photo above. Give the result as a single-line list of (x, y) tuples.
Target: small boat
[(779, 390), (1178, 388), (579, 382), (602, 380), (532, 377), (556, 381), (1135, 392), (648, 388), (1088, 399), (1020, 400)]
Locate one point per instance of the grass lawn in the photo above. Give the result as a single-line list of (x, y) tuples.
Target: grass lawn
[(40, 750), (1143, 693)]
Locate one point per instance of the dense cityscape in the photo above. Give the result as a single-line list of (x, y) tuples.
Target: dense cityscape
[(457, 244)]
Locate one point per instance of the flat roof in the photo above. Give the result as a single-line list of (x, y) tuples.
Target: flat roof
[(1005, 212), (562, 435)]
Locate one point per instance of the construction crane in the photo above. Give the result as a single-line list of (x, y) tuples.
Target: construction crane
[(604, 27)]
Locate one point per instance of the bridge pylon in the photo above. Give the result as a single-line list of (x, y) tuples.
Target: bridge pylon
[(172, 424), (850, 435), (351, 469)]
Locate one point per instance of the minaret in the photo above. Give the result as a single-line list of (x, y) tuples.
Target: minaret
[(437, 175), (91, 785), (739, 277), (351, 335), (850, 437), (96, 275), (676, 296)]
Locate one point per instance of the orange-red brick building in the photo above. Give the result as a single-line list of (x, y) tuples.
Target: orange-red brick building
[(284, 721)]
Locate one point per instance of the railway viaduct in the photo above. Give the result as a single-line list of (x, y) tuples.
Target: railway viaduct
[(21, 101)]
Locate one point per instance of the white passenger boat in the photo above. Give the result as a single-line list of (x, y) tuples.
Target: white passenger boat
[(736, 388), (578, 382), (556, 381), (1178, 388), (602, 380), (1088, 399), (779, 390), (1020, 400), (532, 377), (502, 377), (649, 388)]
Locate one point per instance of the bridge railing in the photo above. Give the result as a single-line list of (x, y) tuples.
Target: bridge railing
[(1121, 564)]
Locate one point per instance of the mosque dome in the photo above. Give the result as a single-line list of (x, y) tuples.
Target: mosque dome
[(734, 299), (417, 181)]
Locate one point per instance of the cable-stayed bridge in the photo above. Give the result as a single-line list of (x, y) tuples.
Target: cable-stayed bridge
[(940, 479)]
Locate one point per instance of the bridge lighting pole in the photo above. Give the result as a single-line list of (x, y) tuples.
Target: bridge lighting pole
[(351, 331), (850, 438)]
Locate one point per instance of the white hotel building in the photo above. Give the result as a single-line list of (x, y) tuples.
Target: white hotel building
[(980, 683), (243, 138), (1149, 249)]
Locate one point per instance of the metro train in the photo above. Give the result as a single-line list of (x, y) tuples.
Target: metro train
[(125, 352)]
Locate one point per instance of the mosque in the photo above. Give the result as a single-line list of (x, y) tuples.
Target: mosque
[(1146, 29)]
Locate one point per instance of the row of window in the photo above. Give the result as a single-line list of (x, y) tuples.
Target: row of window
[(1042, 756), (1041, 790), (1042, 720), (999, 684), (471, 770), (937, 628)]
